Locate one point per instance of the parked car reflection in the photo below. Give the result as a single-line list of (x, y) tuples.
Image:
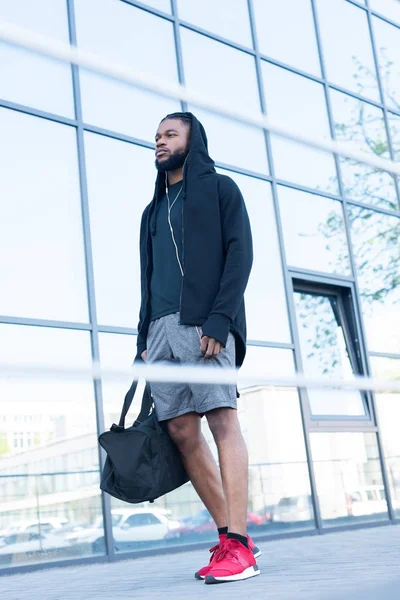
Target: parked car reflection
[(130, 527), (293, 508), (32, 526), (202, 523)]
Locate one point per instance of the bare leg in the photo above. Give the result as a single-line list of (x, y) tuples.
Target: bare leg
[(200, 464), (234, 464)]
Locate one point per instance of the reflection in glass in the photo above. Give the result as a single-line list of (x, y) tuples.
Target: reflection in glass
[(394, 130), (271, 425), (388, 407), (376, 240), (122, 34), (348, 477), (325, 352), (164, 5), (286, 32), (363, 124), (308, 116), (234, 83), (117, 351), (234, 144), (314, 232), (387, 8), (266, 309), (303, 165), (42, 266), (120, 184), (26, 77), (279, 491), (226, 18), (278, 480), (49, 471), (271, 361), (349, 64), (387, 41)]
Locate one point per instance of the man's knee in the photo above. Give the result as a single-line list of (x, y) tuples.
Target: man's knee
[(185, 430), (223, 422)]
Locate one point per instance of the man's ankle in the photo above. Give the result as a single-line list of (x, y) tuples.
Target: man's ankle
[(222, 530)]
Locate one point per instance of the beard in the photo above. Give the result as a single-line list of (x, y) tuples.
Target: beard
[(174, 161)]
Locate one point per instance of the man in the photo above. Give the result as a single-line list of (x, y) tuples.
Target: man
[(196, 257)]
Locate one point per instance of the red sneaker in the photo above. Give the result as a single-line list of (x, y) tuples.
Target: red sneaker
[(205, 570), (234, 562)]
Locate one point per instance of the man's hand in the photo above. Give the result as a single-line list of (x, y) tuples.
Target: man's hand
[(144, 355), (210, 347)]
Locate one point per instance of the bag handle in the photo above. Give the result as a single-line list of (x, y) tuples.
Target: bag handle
[(145, 408)]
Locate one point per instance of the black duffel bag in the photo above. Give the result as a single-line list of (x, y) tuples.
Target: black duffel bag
[(142, 461)]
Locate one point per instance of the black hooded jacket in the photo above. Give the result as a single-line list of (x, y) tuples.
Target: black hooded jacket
[(217, 249)]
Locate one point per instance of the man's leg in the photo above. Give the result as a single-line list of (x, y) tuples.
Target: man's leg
[(234, 465), (200, 464)]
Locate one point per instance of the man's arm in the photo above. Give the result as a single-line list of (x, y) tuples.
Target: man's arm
[(237, 241)]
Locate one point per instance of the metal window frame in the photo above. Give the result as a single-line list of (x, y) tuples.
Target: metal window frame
[(342, 291)]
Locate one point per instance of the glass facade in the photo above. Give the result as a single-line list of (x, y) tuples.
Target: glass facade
[(323, 297)]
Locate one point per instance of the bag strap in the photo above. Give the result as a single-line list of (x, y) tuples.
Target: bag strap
[(144, 409)]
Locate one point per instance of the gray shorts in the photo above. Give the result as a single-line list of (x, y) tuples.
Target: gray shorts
[(171, 343)]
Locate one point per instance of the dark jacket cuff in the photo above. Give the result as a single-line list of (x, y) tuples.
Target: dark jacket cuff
[(217, 326), (141, 347)]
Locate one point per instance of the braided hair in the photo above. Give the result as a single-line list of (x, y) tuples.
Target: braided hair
[(184, 117)]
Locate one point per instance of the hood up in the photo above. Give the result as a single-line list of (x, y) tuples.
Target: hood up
[(198, 164)]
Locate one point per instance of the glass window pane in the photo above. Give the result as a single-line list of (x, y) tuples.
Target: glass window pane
[(387, 8), (375, 240), (348, 475), (279, 490), (304, 165), (271, 361), (139, 525), (234, 144), (349, 64), (279, 486), (164, 5), (286, 32), (42, 270), (266, 309), (307, 116), (117, 351), (324, 352), (362, 124), (226, 18), (124, 173), (26, 77), (233, 83), (50, 453), (122, 34), (388, 406), (314, 232), (387, 41), (394, 127)]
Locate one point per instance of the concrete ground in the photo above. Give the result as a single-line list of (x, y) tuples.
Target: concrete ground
[(361, 564)]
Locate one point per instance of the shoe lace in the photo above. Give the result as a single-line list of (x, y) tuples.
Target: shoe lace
[(228, 550), (215, 550)]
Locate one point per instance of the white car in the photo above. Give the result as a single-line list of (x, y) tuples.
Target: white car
[(31, 542), (129, 527), (293, 508), (368, 500), (46, 526)]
